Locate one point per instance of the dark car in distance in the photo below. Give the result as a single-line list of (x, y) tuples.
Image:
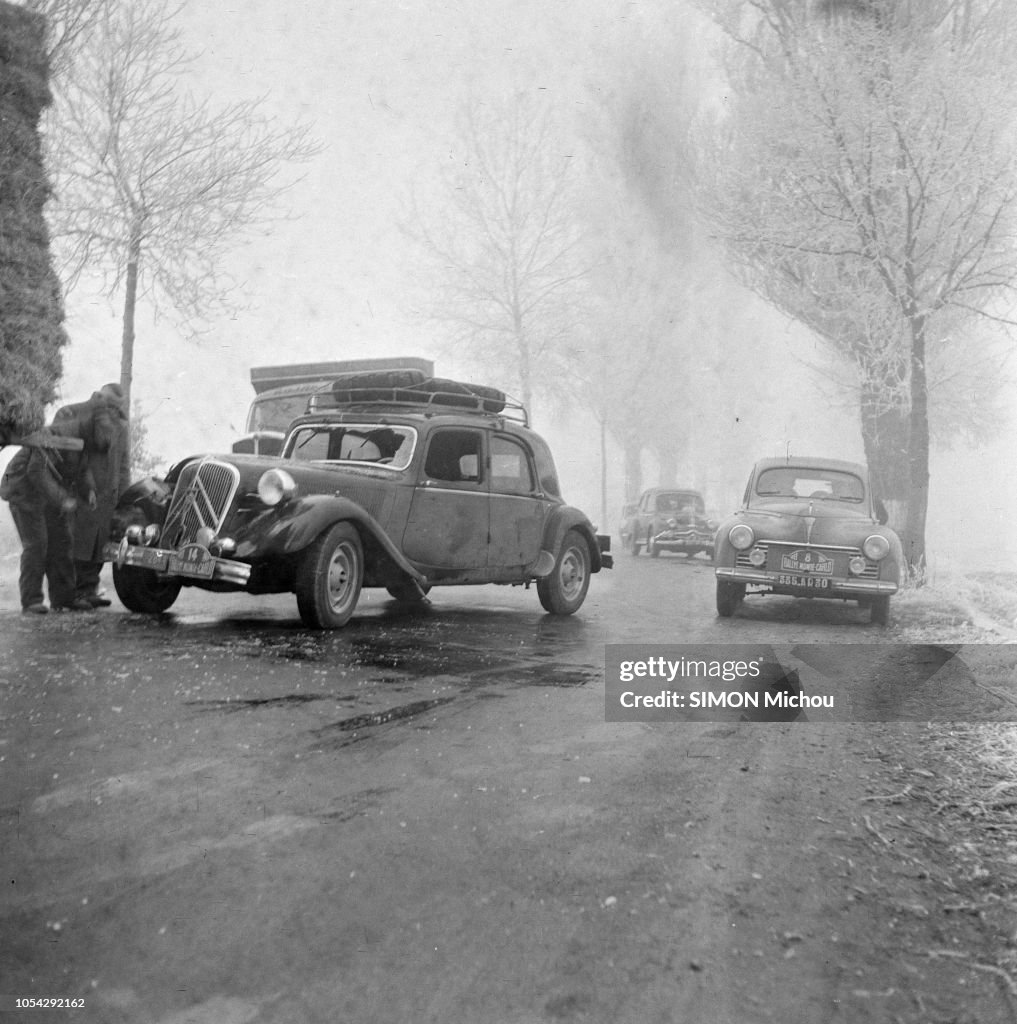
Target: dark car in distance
[(392, 480), (808, 527), (667, 519)]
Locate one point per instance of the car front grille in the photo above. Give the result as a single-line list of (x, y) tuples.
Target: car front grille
[(202, 497), (871, 571)]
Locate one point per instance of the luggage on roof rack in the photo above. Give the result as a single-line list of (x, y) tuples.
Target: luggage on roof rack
[(374, 385), (456, 393), (409, 386)]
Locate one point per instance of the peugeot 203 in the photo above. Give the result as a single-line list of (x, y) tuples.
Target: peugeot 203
[(808, 527)]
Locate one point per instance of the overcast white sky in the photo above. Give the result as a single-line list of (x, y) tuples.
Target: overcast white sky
[(381, 83)]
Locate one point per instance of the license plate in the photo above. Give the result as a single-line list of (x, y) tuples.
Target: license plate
[(806, 582), (192, 560)]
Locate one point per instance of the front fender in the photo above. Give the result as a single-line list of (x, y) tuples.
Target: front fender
[(290, 528)]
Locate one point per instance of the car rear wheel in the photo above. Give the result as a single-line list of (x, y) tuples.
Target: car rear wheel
[(879, 611), (729, 596), (564, 590), (142, 590), (651, 549), (330, 577)]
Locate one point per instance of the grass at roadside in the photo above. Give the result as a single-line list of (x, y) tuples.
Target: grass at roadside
[(956, 609)]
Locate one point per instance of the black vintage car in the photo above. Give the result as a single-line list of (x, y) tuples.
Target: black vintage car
[(667, 519), (808, 527), (389, 481)]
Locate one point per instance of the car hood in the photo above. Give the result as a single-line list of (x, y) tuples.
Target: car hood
[(815, 522)]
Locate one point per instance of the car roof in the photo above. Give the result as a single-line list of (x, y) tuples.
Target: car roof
[(810, 462)]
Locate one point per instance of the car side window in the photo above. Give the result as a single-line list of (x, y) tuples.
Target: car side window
[(454, 456), (511, 472)]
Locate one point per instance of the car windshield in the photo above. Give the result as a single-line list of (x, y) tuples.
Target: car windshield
[(827, 484), (352, 442), (678, 501)]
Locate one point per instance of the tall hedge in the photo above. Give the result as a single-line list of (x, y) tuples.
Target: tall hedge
[(31, 307)]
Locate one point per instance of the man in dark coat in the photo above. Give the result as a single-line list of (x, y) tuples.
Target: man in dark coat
[(44, 486), (102, 421)]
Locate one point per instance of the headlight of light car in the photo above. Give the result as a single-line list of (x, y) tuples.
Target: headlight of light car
[(276, 485), (876, 547), (741, 537), (152, 532)]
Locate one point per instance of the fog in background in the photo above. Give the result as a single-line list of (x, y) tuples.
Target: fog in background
[(338, 279)]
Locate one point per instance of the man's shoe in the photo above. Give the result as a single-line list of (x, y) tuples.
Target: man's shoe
[(34, 609), (98, 602), (79, 604)]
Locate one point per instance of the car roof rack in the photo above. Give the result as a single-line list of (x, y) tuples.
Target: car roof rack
[(433, 394)]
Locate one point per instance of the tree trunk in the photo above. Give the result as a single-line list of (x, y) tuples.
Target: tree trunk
[(603, 473), (130, 304), (918, 456), (633, 470), (667, 467), (885, 433)]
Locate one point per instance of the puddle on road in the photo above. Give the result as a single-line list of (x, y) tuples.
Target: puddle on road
[(231, 704), (373, 719), (545, 675)]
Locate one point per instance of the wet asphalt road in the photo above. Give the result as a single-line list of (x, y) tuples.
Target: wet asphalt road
[(210, 812)]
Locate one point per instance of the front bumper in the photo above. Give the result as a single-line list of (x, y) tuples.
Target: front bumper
[(679, 540), (837, 587), (189, 562)]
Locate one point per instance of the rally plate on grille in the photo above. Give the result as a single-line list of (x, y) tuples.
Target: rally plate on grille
[(192, 560)]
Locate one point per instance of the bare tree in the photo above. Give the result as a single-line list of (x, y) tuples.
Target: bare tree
[(68, 23), (153, 185), (505, 249), (866, 186)]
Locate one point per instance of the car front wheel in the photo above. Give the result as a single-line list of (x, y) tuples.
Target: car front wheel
[(879, 611), (330, 577), (729, 596), (564, 590), (142, 590)]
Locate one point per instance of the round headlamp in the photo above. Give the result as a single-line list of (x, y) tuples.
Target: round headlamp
[(134, 533), (152, 532), (856, 566), (757, 557), (741, 537), (876, 547), (276, 485)]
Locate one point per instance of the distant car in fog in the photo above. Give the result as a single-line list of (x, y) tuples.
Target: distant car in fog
[(667, 519), (808, 527)]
